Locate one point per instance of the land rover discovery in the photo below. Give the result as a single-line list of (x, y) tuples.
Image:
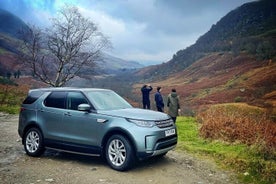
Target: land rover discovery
[(95, 122)]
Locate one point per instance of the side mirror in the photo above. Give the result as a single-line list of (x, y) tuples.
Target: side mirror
[(84, 107)]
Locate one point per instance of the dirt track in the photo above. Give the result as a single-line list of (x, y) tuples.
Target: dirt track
[(56, 167)]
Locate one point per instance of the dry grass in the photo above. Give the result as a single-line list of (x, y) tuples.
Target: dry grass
[(239, 122)]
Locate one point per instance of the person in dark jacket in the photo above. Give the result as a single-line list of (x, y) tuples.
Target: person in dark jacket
[(146, 89), (173, 104), (159, 100)]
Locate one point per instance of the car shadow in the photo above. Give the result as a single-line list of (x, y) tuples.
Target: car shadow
[(96, 161), (70, 157)]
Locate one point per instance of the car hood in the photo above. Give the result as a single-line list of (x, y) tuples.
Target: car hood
[(136, 113)]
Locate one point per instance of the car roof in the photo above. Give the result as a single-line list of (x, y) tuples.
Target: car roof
[(68, 89)]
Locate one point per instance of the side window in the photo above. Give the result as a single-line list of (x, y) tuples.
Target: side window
[(56, 99), (32, 97), (74, 99)]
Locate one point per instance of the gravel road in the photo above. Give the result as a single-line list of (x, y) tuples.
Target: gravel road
[(63, 168)]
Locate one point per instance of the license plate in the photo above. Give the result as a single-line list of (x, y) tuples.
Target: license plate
[(169, 132)]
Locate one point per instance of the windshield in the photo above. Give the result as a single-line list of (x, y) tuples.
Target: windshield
[(107, 100)]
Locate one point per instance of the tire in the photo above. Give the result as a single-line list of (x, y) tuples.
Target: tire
[(119, 153), (33, 142)]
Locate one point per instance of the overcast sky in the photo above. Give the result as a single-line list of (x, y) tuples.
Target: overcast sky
[(147, 31)]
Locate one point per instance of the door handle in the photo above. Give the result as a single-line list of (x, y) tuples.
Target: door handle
[(102, 120), (67, 114)]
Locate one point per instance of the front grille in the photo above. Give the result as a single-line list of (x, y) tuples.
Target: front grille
[(164, 123)]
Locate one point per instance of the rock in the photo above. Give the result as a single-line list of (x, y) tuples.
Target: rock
[(49, 180)]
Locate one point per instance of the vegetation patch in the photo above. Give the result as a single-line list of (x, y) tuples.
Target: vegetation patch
[(7, 81), (239, 122), (11, 98), (251, 164), (2, 51)]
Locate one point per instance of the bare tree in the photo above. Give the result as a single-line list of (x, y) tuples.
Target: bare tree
[(58, 53)]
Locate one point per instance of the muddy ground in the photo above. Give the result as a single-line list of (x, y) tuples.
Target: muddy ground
[(62, 168)]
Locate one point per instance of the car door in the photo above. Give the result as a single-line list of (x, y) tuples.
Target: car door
[(50, 115), (81, 129)]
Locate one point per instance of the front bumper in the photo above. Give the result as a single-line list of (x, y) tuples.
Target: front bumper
[(159, 147)]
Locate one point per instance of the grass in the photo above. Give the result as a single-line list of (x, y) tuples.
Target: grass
[(247, 161), (190, 140), (11, 97), (10, 109)]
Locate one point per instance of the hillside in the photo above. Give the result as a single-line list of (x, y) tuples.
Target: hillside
[(250, 28), (222, 78), (233, 62), (11, 24), (114, 65), (9, 28)]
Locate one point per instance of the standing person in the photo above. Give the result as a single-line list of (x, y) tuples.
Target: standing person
[(173, 104), (146, 89), (159, 100)]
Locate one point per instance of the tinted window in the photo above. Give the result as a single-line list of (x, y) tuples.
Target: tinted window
[(56, 99), (74, 99), (32, 97)]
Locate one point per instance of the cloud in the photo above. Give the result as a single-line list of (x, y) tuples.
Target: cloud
[(140, 30), (138, 35)]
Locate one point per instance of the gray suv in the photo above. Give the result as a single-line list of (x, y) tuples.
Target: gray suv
[(95, 122)]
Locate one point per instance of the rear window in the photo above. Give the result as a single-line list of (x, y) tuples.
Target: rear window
[(32, 97), (56, 99)]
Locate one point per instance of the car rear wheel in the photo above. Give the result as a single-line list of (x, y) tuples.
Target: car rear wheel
[(33, 142), (119, 153)]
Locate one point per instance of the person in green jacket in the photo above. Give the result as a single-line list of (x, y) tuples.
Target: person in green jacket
[(173, 104)]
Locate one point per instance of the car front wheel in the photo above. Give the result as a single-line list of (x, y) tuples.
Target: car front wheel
[(119, 153), (33, 143)]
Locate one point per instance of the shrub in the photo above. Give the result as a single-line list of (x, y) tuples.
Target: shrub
[(238, 99), (11, 97), (7, 81), (239, 122)]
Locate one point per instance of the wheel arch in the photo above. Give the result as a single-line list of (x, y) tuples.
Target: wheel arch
[(118, 131), (29, 126)]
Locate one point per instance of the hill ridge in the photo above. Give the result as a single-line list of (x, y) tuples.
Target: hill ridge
[(249, 28)]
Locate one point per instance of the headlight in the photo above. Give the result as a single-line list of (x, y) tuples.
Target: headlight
[(142, 123)]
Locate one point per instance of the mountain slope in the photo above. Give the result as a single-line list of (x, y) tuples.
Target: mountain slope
[(233, 62), (114, 65), (221, 78), (11, 24), (250, 28)]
